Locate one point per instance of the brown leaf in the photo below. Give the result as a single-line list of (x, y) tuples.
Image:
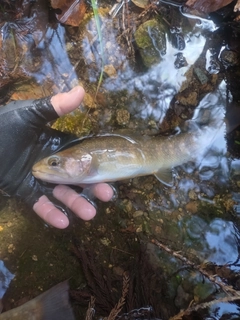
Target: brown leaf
[(69, 12), (207, 6)]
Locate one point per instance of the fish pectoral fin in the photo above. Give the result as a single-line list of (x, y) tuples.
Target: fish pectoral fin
[(165, 177), (55, 304)]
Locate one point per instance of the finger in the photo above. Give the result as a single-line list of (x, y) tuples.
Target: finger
[(103, 191), (80, 206), (46, 210), (68, 101)]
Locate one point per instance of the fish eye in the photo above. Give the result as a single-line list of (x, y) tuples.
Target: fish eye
[(53, 161)]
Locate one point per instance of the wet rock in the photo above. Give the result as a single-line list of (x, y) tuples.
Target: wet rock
[(182, 299), (229, 58), (180, 61), (177, 38), (76, 123), (201, 75), (188, 98), (151, 41)]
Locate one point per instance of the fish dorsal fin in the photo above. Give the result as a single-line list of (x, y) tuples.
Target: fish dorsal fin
[(165, 177)]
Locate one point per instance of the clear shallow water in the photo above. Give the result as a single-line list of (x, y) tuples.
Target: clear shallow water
[(205, 233)]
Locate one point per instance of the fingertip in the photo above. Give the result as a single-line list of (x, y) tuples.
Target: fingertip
[(75, 202), (103, 191), (68, 101), (57, 219), (46, 210)]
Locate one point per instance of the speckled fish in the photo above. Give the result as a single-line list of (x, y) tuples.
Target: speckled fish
[(115, 157), (50, 305)]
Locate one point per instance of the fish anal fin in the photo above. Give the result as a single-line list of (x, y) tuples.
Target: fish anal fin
[(55, 303), (165, 177)]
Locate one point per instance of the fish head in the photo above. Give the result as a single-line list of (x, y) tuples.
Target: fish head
[(65, 167)]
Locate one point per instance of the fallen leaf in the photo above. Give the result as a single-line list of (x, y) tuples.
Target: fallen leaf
[(69, 12), (207, 6)]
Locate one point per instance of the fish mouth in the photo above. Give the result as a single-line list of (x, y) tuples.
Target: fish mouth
[(47, 176)]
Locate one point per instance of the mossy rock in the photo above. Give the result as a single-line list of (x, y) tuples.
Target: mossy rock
[(150, 38), (76, 123)]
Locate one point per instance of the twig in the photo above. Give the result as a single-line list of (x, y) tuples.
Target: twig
[(118, 307), (90, 311), (226, 288), (204, 305)]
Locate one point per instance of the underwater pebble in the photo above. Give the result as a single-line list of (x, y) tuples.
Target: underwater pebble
[(139, 229), (192, 206), (138, 213), (34, 258), (127, 205), (122, 117), (105, 241), (148, 186), (192, 195), (11, 248), (110, 71), (102, 229)]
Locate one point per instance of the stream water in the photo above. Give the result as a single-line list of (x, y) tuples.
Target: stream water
[(197, 219)]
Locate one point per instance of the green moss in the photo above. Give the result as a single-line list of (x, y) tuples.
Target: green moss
[(151, 41), (76, 123)]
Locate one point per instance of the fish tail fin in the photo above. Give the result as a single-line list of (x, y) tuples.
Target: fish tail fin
[(55, 303)]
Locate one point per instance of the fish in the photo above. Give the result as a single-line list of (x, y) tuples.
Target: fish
[(50, 305), (114, 157)]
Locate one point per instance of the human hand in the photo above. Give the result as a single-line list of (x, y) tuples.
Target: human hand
[(25, 139)]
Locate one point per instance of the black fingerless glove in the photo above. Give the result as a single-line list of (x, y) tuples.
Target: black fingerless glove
[(24, 139)]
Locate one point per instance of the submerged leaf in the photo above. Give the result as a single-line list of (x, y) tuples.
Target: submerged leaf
[(69, 12), (207, 6)]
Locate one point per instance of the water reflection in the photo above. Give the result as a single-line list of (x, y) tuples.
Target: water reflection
[(33, 48), (215, 242), (221, 242), (155, 88), (53, 60)]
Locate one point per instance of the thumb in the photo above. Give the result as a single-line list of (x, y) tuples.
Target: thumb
[(68, 101)]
